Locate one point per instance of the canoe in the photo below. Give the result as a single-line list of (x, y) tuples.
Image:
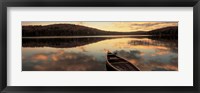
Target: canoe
[(116, 63)]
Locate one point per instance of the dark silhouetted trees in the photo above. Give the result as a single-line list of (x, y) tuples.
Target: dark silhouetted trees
[(78, 30)]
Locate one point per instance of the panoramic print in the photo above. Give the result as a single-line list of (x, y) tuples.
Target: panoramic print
[(99, 46)]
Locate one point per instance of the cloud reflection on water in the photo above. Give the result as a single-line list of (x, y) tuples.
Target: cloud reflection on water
[(62, 61), (148, 54), (152, 64)]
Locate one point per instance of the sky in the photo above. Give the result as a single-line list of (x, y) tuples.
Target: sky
[(111, 26)]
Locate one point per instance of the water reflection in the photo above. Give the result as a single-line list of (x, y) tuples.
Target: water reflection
[(61, 61), (88, 54)]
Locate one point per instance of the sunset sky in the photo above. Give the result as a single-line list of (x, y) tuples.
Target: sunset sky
[(112, 26)]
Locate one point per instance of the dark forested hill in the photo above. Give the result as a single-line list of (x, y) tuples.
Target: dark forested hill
[(78, 30), (167, 31)]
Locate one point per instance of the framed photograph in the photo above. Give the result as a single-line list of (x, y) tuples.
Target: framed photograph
[(133, 46)]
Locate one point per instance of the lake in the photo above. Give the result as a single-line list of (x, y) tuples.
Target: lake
[(88, 53)]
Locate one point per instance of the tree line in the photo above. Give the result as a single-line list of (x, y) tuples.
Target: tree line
[(78, 30)]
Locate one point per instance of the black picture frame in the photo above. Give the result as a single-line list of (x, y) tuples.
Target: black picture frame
[(101, 3)]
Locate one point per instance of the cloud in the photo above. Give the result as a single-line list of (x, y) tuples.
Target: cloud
[(133, 54), (39, 57), (157, 65), (62, 61), (143, 26), (137, 58)]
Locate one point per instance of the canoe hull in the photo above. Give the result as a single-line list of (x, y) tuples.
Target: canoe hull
[(116, 63), (109, 68)]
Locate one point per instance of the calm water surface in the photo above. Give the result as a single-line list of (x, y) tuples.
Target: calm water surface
[(89, 53)]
